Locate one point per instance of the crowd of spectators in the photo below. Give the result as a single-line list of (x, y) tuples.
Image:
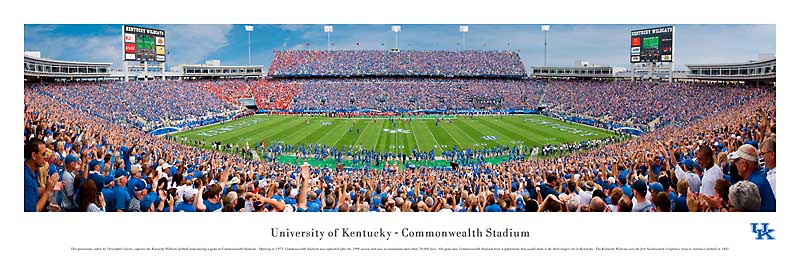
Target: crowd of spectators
[(81, 155), (441, 63), (640, 103), (141, 104), (408, 94)]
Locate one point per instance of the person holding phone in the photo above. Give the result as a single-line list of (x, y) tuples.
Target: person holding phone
[(89, 200)]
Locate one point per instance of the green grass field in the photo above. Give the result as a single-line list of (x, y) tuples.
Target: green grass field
[(401, 136)]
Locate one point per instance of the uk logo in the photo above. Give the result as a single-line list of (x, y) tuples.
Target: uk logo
[(763, 232), (393, 131)]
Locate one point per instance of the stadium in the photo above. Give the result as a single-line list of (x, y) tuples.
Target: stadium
[(396, 130)]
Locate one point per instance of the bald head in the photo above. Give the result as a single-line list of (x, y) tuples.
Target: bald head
[(573, 205), (597, 205)]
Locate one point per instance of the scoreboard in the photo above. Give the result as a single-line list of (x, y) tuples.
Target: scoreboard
[(652, 45), (143, 44)]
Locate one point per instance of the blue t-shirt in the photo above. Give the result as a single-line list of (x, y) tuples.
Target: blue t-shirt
[(31, 189), (290, 200), (547, 190), (314, 206), (121, 198), (759, 177), (126, 158), (99, 180), (108, 195), (132, 183), (52, 169), (680, 204), (185, 207), (154, 197), (493, 208), (211, 207)]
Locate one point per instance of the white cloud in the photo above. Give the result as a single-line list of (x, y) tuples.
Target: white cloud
[(187, 44), (191, 44), (101, 48), (35, 30)]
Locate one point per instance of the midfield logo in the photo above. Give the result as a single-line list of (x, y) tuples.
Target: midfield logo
[(764, 231), (397, 131)]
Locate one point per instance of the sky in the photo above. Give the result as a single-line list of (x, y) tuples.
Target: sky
[(602, 44)]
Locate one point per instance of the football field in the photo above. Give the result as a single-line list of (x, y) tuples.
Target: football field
[(399, 135)]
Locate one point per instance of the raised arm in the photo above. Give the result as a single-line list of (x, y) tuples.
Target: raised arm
[(305, 173), (322, 195), (651, 177), (615, 169), (277, 205), (341, 195), (539, 195), (764, 124), (198, 200)]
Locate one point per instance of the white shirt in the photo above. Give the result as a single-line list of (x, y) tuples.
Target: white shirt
[(692, 178), (771, 179), (94, 208), (710, 177)]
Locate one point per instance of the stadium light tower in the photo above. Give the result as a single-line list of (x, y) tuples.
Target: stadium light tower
[(463, 29), (328, 29), (395, 29), (545, 28), (249, 29)]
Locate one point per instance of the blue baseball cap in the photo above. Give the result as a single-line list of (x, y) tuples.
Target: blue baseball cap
[(120, 172), (657, 187), (93, 164), (688, 163), (70, 158), (641, 186), (108, 180), (139, 185), (146, 203)]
